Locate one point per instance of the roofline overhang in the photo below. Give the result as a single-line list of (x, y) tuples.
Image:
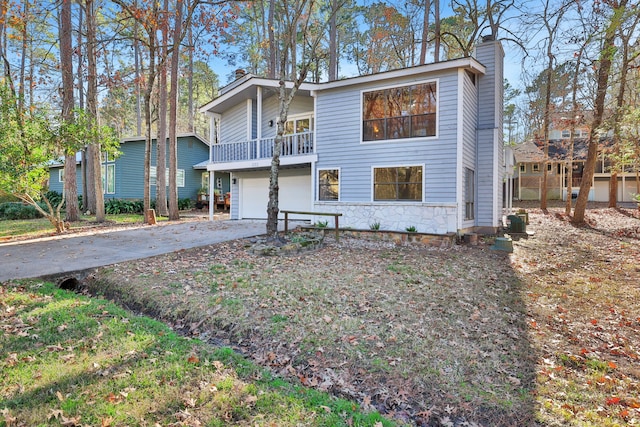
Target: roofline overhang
[(250, 82)]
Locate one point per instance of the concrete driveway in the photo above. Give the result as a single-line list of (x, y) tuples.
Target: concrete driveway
[(75, 252)]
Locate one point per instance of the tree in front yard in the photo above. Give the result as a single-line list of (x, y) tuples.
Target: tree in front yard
[(29, 140)]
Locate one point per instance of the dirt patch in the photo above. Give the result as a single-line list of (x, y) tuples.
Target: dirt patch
[(428, 336)]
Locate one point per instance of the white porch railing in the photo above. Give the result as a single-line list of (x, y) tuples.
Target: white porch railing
[(293, 145)]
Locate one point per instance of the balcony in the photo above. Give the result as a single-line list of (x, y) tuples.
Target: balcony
[(296, 148)]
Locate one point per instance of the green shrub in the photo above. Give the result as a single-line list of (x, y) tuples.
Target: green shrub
[(119, 206), (53, 197), (184, 204), (18, 210)]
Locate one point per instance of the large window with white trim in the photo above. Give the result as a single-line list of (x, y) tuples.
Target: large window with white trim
[(400, 112), (400, 183)]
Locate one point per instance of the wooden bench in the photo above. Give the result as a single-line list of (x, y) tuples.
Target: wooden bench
[(335, 215)]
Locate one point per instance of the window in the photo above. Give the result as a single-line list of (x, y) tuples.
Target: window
[(566, 133), (549, 167), (204, 181), (523, 168), (328, 188), (536, 167), (397, 183), (108, 173), (397, 113), (61, 175), (109, 178), (297, 125), (469, 193), (154, 173)]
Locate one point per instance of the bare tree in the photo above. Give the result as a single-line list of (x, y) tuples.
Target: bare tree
[(551, 20), (605, 61), (300, 18), (628, 58)]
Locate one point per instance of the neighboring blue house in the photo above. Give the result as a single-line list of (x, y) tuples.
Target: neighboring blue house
[(418, 147), (123, 177)]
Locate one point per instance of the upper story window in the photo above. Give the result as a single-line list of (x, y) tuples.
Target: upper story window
[(401, 112), (566, 133), (298, 125), (536, 167)]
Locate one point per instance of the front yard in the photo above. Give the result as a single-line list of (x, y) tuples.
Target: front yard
[(547, 335)]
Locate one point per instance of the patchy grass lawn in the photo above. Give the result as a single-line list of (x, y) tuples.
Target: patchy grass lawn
[(428, 336), (71, 360), (547, 335), (41, 227)]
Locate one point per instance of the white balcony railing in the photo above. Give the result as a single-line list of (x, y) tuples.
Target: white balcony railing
[(293, 145)]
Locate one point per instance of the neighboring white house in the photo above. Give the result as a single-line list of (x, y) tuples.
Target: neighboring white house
[(418, 147)]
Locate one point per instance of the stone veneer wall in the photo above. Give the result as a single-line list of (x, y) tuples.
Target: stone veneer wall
[(426, 218)]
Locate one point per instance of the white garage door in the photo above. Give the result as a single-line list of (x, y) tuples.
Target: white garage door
[(294, 195)]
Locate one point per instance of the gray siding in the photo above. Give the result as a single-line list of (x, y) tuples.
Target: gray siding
[(470, 124), (233, 124), (270, 111), (490, 169), (338, 141)]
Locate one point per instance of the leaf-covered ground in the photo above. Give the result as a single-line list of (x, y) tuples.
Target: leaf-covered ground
[(547, 335)]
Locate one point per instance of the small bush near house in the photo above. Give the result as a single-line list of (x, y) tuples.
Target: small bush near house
[(184, 204), (119, 206), (18, 210), (53, 197)]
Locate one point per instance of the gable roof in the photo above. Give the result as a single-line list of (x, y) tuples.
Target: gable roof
[(245, 87), (58, 163), (532, 151)]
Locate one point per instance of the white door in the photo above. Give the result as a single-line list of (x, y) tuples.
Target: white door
[(294, 195)]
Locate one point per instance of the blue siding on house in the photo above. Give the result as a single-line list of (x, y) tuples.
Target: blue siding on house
[(129, 169), (56, 185), (338, 136)]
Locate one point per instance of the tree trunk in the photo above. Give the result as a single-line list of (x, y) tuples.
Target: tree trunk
[(436, 50), (272, 40), (190, 79), (606, 59), (92, 107), (173, 116), (333, 49), (151, 75), (161, 142), (620, 101), (66, 67), (136, 65), (424, 43)]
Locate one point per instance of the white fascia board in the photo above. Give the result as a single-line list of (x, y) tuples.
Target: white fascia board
[(252, 82), (261, 163), (470, 64)]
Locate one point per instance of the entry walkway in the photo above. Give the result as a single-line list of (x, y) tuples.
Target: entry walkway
[(74, 252)]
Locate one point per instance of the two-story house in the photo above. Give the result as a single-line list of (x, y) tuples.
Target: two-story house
[(417, 147)]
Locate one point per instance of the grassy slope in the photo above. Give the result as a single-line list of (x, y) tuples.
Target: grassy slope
[(72, 360)]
